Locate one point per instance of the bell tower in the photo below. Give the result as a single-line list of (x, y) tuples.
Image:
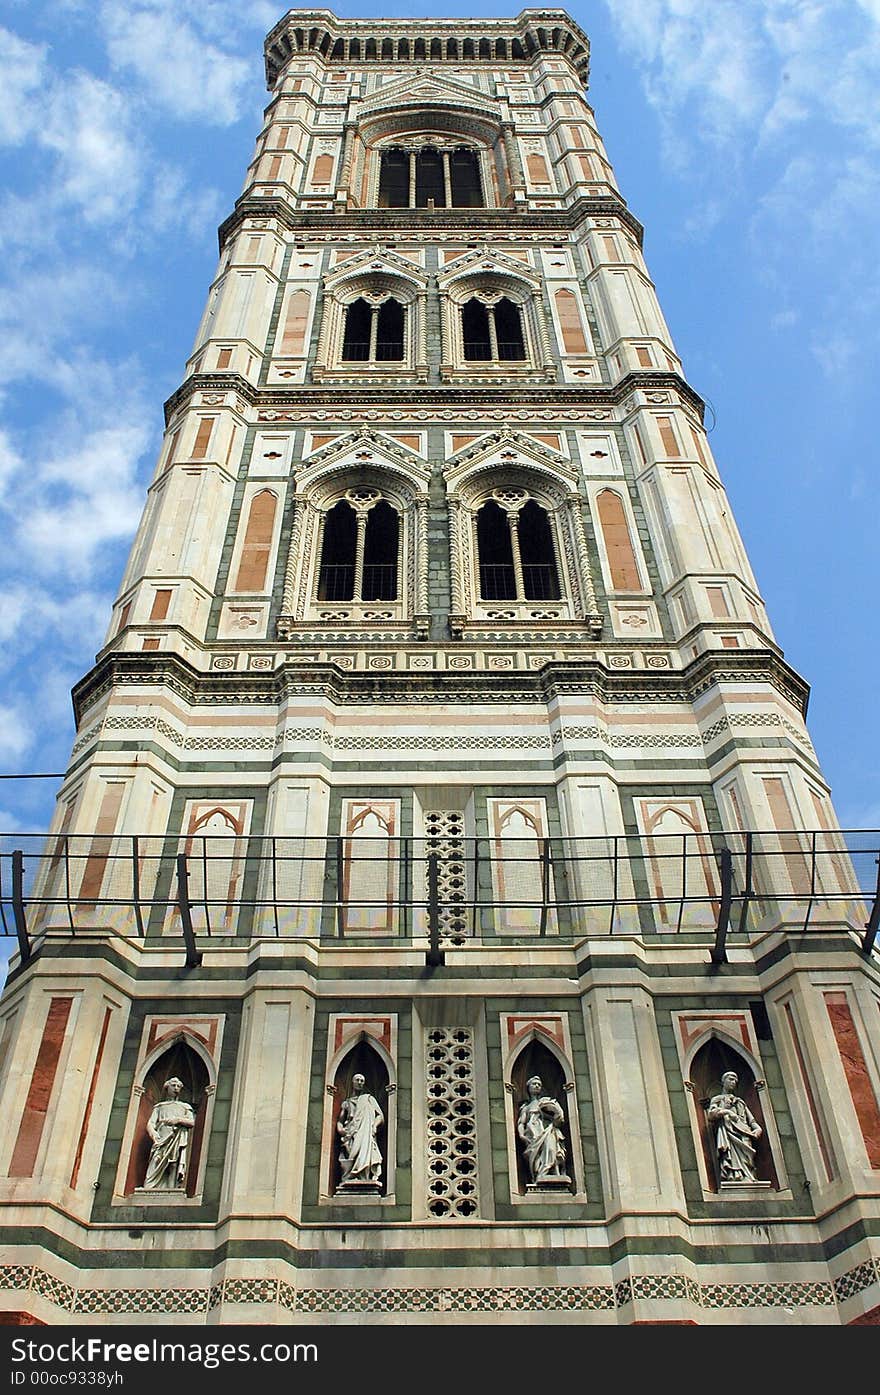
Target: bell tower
[(443, 873)]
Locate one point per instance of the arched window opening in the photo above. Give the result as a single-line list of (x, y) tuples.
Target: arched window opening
[(336, 575), (394, 179), (493, 332), (360, 548), (380, 554), (464, 169), (475, 329), (495, 548), (389, 331), (430, 184), (508, 327), (356, 341), (540, 577), (430, 178), (373, 333)]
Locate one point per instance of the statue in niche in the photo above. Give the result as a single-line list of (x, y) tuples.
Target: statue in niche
[(539, 1126), (736, 1132), (170, 1128), (360, 1159)]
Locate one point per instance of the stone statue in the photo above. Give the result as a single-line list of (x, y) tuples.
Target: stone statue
[(169, 1127), (539, 1127), (360, 1119), (736, 1128)]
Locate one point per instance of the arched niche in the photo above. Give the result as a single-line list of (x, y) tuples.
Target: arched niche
[(364, 1059), (184, 1060), (709, 1062), (536, 1058)]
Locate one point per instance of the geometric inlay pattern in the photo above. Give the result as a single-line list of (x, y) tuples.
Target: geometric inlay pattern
[(444, 835), (451, 1145), (572, 1297)]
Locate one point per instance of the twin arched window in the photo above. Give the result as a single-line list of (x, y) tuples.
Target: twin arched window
[(374, 333), (430, 178), (492, 332), (517, 555), (360, 549)]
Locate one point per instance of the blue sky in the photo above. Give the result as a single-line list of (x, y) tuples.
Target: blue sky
[(745, 137)]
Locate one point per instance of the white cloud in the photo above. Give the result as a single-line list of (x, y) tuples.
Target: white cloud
[(99, 163), (175, 61), (784, 95), (16, 734), (22, 72), (76, 500)]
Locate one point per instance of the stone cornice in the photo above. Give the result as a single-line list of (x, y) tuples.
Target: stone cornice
[(556, 397), (325, 36), (556, 678), (470, 222)]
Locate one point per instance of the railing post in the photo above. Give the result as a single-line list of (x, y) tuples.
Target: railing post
[(476, 888), (747, 891), (545, 884), (340, 908), (136, 883), (193, 957), (719, 949), (18, 911), (874, 918), (406, 893), (435, 955)]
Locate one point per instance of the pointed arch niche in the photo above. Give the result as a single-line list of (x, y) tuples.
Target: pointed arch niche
[(708, 1047), (367, 1046), (540, 1046), (189, 1049)]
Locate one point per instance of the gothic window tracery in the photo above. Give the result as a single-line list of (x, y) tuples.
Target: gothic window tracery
[(492, 330), (374, 321), (437, 174), (374, 333), (519, 550), (516, 549), (491, 315), (517, 555), (359, 549), (358, 545)]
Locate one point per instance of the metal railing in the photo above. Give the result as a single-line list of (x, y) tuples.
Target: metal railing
[(716, 887), (498, 582), (378, 581)]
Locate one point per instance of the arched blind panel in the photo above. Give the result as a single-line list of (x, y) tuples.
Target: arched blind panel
[(257, 545), (573, 339), (293, 340), (622, 561)]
